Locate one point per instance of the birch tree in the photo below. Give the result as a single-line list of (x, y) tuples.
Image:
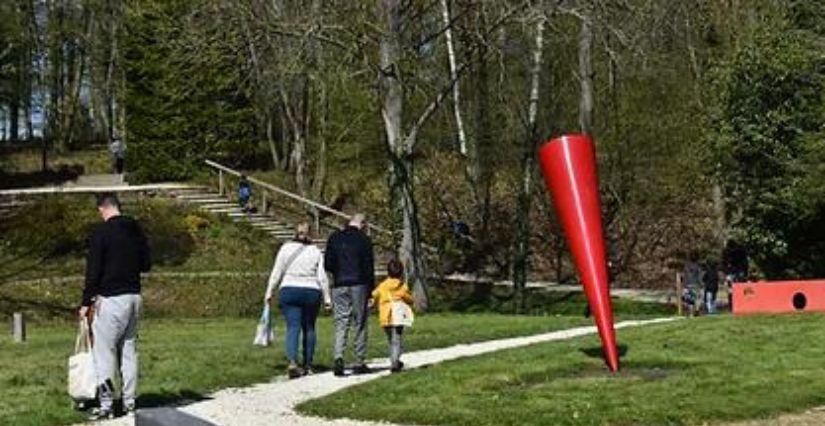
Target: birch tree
[(448, 38)]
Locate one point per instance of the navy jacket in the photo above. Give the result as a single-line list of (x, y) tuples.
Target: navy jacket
[(349, 258)]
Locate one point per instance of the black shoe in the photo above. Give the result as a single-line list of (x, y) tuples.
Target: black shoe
[(361, 369), (397, 367), (293, 371), (129, 409), (338, 367), (99, 414)]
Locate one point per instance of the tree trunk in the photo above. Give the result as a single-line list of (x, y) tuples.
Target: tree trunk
[(285, 139), (521, 260), (270, 138), (399, 147), (296, 115), (111, 87), (31, 32), (14, 117), (586, 77), (448, 34), (55, 63), (320, 177)]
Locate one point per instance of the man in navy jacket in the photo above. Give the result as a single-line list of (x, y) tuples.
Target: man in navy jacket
[(349, 258)]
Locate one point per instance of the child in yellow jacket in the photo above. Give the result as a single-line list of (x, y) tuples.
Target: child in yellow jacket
[(390, 290)]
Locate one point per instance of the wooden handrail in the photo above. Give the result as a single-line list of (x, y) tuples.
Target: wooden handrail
[(293, 196), (94, 189)]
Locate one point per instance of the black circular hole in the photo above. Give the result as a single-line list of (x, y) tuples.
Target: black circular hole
[(799, 301)]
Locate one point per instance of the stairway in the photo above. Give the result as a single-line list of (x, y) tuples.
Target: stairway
[(215, 203), (281, 229)]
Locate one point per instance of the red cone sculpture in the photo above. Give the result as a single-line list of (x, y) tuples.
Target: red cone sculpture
[(569, 165)]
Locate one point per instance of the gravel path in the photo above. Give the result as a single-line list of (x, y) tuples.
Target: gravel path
[(273, 403)]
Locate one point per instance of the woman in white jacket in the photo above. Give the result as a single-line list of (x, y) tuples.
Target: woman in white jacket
[(300, 277)]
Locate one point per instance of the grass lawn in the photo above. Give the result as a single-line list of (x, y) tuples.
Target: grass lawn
[(188, 358), (707, 370)]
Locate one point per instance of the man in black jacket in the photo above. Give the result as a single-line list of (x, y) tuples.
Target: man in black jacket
[(349, 258), (118, 253)]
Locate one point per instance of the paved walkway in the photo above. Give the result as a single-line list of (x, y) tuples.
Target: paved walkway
[(274, 403)]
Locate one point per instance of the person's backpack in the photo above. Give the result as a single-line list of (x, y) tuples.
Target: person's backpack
[(245, 191)]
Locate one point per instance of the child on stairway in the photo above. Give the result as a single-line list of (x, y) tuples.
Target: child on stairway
[(393, 291)]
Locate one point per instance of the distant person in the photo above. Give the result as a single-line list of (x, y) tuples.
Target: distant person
[(688, 301), (730, 279), (392, 290), (692, 280), (349, 258), (301, 281), (693, 272), (710, 279), (118, 149), (244, 193), (118, 253)]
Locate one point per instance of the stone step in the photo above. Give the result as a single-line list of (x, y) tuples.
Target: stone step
[(225, 211), (218, 205), (216, 200), (256, 219), (269, 227)]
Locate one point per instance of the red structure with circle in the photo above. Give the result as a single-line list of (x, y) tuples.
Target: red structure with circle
[(775, 297), (569, 166)]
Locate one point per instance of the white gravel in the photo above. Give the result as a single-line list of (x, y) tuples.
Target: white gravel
[(274, 403)]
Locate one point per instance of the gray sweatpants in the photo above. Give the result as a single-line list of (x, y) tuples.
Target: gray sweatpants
[(115, 329), (349, 306), (395, 339)]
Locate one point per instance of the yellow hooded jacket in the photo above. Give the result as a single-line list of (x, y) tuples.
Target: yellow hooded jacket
[(391, 289)]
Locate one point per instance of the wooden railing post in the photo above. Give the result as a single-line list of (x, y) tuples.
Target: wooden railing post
[(221, 186), (263, 202), (19, 329), (679, 293)]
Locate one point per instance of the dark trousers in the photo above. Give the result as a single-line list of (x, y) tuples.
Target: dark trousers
[(119, 165), (300, 308)]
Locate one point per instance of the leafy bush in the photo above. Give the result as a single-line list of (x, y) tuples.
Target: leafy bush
[(51, 227), (769, 139), (59, 226), (166, 230)]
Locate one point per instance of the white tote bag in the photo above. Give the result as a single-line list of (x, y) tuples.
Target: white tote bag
[(82, 376), (401, 314), (264, 333)]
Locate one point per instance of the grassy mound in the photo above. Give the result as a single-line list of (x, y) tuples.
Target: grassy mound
[(49, 239)]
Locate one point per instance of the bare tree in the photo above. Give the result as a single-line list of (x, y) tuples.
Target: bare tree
[(522, 253)]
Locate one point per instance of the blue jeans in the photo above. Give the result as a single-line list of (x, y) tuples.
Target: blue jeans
[(710, 301), (300, 308)]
